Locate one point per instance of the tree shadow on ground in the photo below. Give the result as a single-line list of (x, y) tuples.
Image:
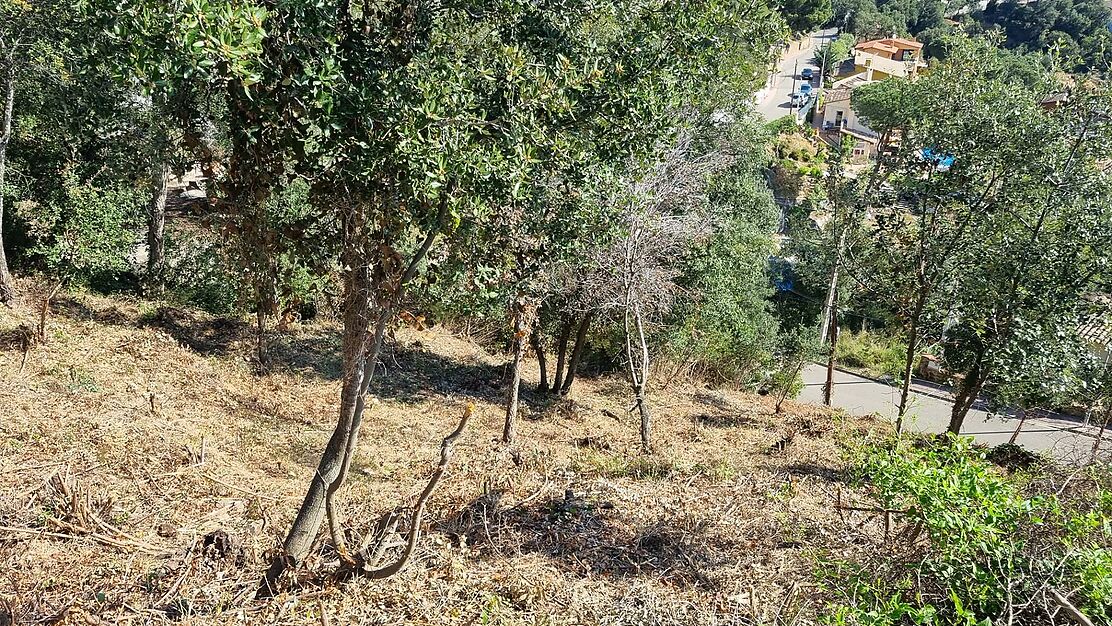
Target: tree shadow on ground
[(828, 474), (210, 336), (411, 374), (724, 420), (77, 310), (587, 537), (18, 339), (715, 400), (316, 354)]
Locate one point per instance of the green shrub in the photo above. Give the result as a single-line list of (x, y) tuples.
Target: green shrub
[(198, 273), (729, 331), (83, 231), (994, 541), (786, 124), (874, 353)]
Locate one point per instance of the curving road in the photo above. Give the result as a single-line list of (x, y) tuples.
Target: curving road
[(1061, 436), (774, 101)]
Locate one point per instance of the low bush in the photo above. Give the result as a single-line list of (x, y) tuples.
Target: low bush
[(198, 273), (874, 353), (976, 545)]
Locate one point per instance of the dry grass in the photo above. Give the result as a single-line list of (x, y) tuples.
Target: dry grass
[(146, 472)]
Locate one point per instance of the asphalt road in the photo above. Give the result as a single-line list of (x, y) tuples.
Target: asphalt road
[(1064, 437), (775, 101)]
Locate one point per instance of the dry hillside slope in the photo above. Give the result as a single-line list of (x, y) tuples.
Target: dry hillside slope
[(146, 473)]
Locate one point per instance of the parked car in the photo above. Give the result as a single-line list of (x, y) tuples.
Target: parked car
[(807, 73), (805, 90)]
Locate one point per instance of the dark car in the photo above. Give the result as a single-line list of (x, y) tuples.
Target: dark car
[(807, 73)]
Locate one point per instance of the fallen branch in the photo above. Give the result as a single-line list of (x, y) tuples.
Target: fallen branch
[(873, 509), (230, 485), (1075, 614)]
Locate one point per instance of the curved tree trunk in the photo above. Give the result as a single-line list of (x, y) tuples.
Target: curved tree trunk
[(561, 354), (520, 331), (358, 351), (535, 340), (156, 226), (970, 388), (577, 352), (7, 285), (370, 301)]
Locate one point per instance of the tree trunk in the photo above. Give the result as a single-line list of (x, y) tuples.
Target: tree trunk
[(1019, 426), (1100, 438), (361, 350), (520, 331), (156, 226), (7, 285), (538, 348), (639, 384), (358, 351), (788, 385), (909, 367), (646, 420), (967, 395), (828, 389), (260, 335), (561, 354), (831, 301), (44, 310), (577, 351)]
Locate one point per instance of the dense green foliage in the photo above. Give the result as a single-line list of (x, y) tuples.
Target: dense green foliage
[(977, 545), (1076, 30), (84, 231), (803, 15), (869, 19)]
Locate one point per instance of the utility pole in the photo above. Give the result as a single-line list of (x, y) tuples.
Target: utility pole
[(822, 71), (791, 96)]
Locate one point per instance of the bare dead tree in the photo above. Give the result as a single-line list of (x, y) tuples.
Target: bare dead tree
[(633, 274)]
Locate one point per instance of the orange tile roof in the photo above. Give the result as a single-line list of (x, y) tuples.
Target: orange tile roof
[(877, 45), (890, 44), (906, 43)]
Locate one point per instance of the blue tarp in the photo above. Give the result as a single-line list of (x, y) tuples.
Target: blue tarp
[(943, 161)]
